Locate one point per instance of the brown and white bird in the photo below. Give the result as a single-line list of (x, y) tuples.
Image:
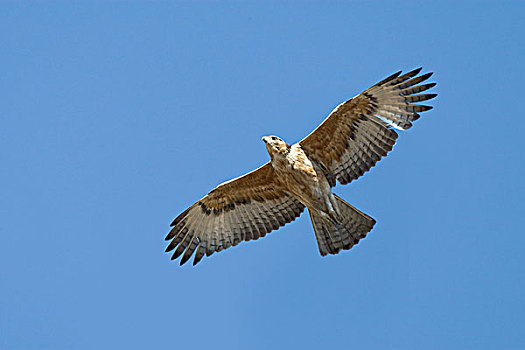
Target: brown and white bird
[(351, 140)]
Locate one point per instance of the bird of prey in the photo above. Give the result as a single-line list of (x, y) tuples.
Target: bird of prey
[(350, 141)]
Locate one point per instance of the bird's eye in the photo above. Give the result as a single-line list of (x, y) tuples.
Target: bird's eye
[(274, 138)]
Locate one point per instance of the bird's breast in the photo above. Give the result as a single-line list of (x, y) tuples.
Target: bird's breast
[(299, 162), (298, 174)]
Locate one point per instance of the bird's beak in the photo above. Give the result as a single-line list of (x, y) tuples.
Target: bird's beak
[(265, 139)]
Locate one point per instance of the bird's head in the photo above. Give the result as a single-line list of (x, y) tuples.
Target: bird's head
[(275, 145)]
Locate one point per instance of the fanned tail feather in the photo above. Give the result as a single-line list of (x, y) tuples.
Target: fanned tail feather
[(332, 237)]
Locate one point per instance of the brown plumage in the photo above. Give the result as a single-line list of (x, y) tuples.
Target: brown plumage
[(352, 139)]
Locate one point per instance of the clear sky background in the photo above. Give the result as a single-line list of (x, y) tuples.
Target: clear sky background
[(115, 117)]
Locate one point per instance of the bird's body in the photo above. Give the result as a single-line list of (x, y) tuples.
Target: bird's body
[(300, 177), (351, 140)]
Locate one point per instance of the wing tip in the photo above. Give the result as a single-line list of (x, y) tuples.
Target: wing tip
[(184, 259), (426, 76), (415, 72), (391, 77)]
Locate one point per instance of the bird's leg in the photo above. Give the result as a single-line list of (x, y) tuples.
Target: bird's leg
[(332, 208), (329, 215)]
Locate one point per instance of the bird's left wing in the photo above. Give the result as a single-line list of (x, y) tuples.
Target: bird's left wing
[(243, 209), (358, 132)]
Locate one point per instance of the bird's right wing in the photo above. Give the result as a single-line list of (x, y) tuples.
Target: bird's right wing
[(358, 132), (243, 209)]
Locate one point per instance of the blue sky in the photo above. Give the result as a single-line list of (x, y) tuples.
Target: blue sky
[(117, 116)]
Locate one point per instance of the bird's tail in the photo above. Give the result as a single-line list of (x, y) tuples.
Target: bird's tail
[(345, 233)]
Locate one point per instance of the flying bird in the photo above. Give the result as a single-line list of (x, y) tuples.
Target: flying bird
[(350, 141)]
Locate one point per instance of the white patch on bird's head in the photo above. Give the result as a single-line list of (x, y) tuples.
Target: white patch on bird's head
[(275, 145)]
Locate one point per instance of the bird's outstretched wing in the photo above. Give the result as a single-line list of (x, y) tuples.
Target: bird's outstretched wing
[(358, 132), (243, 209)]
